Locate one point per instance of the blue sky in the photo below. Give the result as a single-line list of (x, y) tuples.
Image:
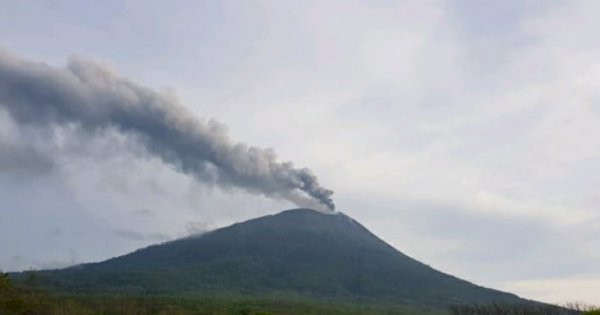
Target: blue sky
[(462, 132)]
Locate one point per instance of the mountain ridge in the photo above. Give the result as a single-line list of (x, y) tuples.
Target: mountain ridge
[(297, 251)]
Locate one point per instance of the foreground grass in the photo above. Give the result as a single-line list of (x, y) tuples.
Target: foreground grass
[(201, 305), (29, 300), (524, 309), (19, 300)]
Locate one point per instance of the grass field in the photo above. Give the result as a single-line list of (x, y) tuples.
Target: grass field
[(19, 300), (31, 300)]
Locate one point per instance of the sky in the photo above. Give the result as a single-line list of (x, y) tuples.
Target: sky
[(461, 132)]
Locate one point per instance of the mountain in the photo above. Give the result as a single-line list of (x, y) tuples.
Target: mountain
[(298, 251)]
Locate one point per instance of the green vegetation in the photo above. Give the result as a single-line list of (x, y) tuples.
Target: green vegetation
[(28, 299), (21, 301), (524, 309), (18, 300), (582, 308), (510, 309)]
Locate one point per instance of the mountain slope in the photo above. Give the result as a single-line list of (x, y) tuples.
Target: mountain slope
[(297, 251)]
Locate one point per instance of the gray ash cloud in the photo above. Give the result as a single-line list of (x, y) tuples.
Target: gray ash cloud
[(90, 97)]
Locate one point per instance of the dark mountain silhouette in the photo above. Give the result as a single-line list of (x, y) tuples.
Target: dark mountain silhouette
[(299, 251)]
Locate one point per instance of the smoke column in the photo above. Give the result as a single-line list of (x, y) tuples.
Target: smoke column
[(94, 99)]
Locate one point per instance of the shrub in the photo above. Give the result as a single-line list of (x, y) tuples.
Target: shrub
[(510, 309), (583, 308)]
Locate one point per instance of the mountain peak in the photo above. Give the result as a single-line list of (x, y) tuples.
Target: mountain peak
[(303, 212), (307, 212), (299, 213)]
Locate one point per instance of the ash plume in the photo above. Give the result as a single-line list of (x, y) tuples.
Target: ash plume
[(91, 97)]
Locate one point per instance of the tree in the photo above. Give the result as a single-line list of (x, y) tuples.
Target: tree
[(4, 282)]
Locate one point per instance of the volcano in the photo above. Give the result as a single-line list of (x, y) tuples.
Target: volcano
[(301, 251)]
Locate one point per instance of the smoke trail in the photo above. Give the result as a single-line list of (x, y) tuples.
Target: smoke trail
[(94, 99)]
